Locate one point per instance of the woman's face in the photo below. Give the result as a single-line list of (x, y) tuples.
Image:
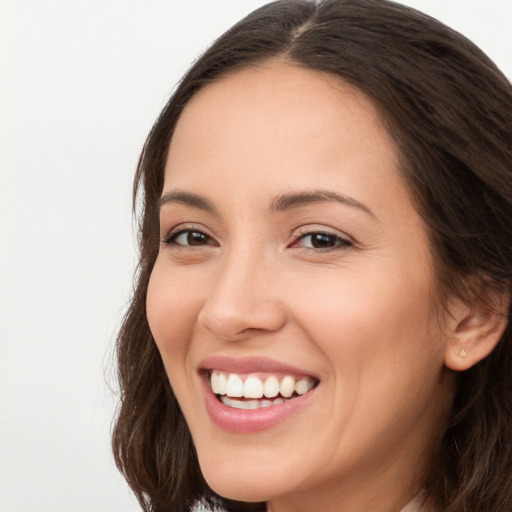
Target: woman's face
[(293, 262)]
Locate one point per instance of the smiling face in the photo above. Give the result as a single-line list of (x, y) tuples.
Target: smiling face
[(294, 276)]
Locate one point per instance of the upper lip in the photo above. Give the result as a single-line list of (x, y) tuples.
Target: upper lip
[(250, 365)]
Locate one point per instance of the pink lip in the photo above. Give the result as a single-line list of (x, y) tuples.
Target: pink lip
[(244, 421), (250, 365)]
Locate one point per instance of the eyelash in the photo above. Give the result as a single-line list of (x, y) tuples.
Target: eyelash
[(339, 243), (173, 236)]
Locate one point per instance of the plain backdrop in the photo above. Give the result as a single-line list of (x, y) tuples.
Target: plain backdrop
[(81, 83)]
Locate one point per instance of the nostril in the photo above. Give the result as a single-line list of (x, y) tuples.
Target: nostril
[(235, 320)]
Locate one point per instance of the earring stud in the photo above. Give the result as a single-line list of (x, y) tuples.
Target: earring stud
[(462, 352)]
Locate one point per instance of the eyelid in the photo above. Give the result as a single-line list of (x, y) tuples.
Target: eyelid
[(344, 240), (180, 229)]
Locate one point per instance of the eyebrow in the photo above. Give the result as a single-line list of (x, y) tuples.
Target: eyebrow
[(279, 204), (296, 200), (186, 198)]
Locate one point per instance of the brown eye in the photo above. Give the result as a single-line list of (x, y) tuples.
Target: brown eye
[(322, 241), (189, 237)]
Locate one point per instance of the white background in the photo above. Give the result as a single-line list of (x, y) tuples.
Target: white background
[(81, 83)]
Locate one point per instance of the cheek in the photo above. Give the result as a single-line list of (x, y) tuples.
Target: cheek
[(378, 334), (362, 319), (172, 307)]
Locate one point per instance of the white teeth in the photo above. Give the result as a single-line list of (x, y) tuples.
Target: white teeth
[(253, 387), (271, 387), (303, 386), (218, 382), (214, 382), (222, 383), (226, 401), (235, 386), (240, 404), (251, 404), (287, 386)]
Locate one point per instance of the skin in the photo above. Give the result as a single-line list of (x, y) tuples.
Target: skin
[(359, 316)]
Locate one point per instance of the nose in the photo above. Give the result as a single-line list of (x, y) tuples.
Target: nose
[(243, 300)]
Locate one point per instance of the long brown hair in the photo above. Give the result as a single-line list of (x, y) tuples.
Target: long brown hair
[(449, 110)]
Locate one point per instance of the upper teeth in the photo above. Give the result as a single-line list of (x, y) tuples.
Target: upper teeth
[(232, 385)]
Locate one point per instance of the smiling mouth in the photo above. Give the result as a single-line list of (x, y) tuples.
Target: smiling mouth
[(255, 391)]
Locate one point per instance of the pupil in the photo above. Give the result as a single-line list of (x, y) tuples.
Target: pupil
[(195, 238), (320, 241)]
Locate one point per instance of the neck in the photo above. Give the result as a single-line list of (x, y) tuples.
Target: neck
[(413, 505), (388, 491)]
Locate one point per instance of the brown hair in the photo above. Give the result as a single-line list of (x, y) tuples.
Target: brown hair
[(449, 110)]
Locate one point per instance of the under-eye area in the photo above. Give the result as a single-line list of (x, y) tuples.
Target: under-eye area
[(255, 391)]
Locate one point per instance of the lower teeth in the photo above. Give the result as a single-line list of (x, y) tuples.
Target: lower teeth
[(251, 404)]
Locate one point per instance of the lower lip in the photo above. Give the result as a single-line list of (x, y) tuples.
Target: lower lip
[(247, 421)]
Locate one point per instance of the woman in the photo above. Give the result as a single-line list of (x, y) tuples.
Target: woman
[(320, 317)]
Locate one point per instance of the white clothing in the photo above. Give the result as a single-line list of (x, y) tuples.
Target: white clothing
[(412, 506)]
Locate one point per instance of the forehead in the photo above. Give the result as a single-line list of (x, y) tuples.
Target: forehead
[(307, 100), (277, 126)]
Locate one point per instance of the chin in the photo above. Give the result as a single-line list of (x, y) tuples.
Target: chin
[(238, 490), (241, 483)]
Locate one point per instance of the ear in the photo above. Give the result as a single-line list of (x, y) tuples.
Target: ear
[(475, 328)]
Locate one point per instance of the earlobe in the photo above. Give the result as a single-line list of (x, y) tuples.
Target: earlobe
[(476, 329)]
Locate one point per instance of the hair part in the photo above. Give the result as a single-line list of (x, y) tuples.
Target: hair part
[(449, 111)]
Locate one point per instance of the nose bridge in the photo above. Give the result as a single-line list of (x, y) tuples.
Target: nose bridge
[(240, 299)]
